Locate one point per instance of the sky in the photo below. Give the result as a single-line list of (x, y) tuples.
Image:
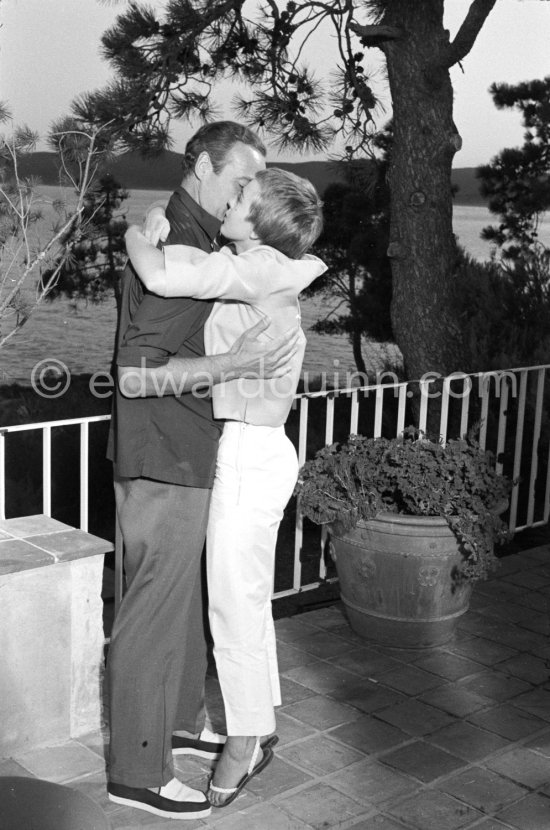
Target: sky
[(50, 53)]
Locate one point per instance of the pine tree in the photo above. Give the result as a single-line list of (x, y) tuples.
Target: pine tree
[(97, 252), (357, 284), (517, 181), (167, 67)]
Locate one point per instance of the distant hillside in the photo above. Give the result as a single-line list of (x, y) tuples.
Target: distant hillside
[(468, 187), (164, 172)]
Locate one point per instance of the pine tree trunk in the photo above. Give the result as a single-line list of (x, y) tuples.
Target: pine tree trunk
[(356, 343), (422, 245), (356, 327)]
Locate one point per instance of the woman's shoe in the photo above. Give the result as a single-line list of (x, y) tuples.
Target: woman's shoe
[(270, 742), (253, 769)]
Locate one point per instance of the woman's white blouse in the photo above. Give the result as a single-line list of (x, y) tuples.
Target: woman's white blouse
[(259, 282)]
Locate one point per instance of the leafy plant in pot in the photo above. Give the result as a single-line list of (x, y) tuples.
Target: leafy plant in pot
[(413, 524)]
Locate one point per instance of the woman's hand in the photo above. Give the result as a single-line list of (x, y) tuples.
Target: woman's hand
[(155, 225), (147, 260)]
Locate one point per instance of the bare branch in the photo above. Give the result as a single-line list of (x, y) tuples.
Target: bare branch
[(37, 260), (375, 35), (468, 32), (19, 260)]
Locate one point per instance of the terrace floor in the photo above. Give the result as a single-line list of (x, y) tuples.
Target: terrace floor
[(375, 738)]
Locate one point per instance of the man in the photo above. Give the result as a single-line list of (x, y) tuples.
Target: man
[(271, 225), (163, 445)]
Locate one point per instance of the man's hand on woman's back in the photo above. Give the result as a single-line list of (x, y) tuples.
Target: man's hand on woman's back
[(257, 358)]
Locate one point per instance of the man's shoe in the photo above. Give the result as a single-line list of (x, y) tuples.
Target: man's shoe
[(174, 800), (208, 745)]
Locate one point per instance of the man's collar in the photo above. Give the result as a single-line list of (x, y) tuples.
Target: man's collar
[(208, 223)]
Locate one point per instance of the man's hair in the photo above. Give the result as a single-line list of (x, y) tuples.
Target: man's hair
[(288, 213), (217, 140)]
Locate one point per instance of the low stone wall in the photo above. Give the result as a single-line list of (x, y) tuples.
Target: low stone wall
[(51, 632)]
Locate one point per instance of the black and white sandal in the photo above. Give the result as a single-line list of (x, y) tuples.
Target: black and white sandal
[(253, 769)]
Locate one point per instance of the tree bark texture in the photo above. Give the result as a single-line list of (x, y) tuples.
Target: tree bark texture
[(422, 245)]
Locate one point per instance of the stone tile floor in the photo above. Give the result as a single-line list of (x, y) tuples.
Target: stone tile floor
[(374, 738)]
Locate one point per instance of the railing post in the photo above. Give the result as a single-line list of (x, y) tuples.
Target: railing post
[(444, 417), (424, 386), (465, 408), (2, 474), (378, 410), (299, 532), (535, 446), (502, 423), (84, 463), (485, 382), (354, 418), (401, 409), (47, 471), (517, 452), (329, 420)]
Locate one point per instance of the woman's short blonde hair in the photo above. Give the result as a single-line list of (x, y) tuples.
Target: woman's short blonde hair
[(288, 213)]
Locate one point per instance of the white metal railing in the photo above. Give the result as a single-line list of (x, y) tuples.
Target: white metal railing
[(511, 408), (46, 428)]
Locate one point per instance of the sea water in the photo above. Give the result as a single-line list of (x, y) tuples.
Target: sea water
[(80, 336)]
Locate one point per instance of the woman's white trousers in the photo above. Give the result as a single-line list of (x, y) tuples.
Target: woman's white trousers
[(256, 472)]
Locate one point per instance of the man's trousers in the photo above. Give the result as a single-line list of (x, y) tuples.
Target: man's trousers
[(256, 472), (158, 654)]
